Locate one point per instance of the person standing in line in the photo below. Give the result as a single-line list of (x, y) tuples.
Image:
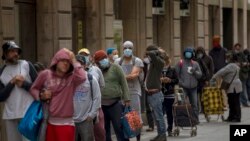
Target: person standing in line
[(153, 88), (16, 79), (219, 55), (132, 67), (112, 54), (87, 99), (115, 90), (57, 85), (99, 129), (189, 72), (244, 68), (207, 67), (230, 73), (169, 79), (149, 112)]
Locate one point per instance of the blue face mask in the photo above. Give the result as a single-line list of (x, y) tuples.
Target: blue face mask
[(188, 55), (104, 63), (127, 52)]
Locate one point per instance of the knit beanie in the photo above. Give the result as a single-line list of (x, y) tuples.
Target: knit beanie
[(110, 50), (99, 55)]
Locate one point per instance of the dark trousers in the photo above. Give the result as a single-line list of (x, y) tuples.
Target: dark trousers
[(113, 114), (168, 109), (234, 106), (199, 93), (149, 113)]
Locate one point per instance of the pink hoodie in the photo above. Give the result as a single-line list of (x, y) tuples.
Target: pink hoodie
[(62, 88)]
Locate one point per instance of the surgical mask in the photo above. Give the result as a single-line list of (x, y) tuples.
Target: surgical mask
[(115, 57), (200, 55), (87, 59), (104, 63), (188, 55), (127, 52)]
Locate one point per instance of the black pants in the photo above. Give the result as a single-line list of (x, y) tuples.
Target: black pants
[(168, 109), (234, 106), (149, 113)]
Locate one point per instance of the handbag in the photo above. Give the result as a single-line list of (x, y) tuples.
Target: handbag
[(131, 123), (225, 85), (30, 124)]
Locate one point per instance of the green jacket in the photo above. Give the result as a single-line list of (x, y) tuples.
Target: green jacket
[(154, 73), (115, 84)]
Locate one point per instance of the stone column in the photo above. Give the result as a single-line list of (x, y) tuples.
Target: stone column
[(235, 21), (54, 28), (200, 36), (245, 3), (221, 21), (175, 31), (137, 23), (206, 26)]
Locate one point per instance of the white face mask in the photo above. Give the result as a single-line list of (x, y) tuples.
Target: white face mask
[(115, 57), (146, 60)]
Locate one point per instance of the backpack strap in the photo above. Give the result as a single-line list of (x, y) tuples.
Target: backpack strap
[(2, 68), (90, 78), (122, 58)]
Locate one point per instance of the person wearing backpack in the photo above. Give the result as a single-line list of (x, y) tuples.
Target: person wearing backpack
[(92, 69), (189, 73), (132, 67), (16, 79), (87, 99), (207, 67)]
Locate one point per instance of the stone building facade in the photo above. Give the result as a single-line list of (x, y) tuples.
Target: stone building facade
[(41, 27)]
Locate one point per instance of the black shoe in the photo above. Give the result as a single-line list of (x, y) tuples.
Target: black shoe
[(150, 129), (228, 120), (170, 133), (235, 120), (161, 137)]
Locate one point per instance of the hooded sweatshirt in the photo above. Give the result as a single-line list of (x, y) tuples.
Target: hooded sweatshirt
[(62, 88)]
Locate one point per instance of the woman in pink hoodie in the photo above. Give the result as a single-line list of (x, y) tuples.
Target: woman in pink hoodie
[(56, 86)]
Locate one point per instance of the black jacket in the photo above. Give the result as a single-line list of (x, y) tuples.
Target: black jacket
[(168, 88)]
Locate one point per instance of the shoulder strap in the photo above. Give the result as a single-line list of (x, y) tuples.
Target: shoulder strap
[(1, 69), (133, 60), (90, 78), (233, 77)]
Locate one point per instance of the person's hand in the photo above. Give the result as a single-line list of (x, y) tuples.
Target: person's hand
[(71, 55), (89, 118), (13, 80), (166, 80), (19, 79), (45, 95), (192, 70), (126, 103)]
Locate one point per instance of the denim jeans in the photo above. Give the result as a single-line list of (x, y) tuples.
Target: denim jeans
[(155, 101), (113, 114), (193, 99), (243, 94), (149, 113)]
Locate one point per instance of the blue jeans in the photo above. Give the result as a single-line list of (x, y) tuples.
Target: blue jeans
[(113, 114), (193, 99), (243, 94), (155, 101)]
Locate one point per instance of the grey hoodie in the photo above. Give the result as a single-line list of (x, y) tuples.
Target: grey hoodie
[(187, 80)]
